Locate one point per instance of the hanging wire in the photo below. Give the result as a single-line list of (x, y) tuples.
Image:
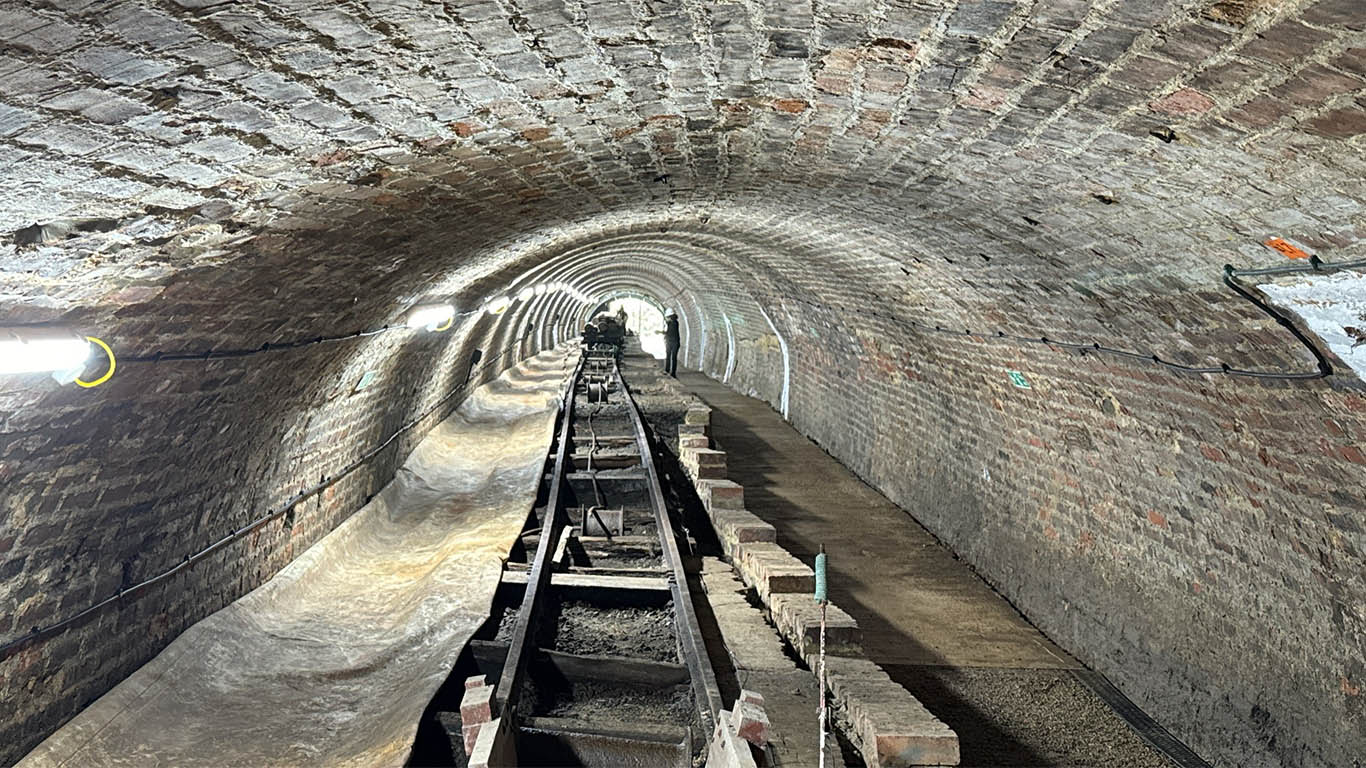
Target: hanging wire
[(217, 354), (1323, 368)]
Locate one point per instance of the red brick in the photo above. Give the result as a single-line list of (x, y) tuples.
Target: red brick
[(1352, 454), (1185, 102), (1340, 123), (1261, 112), (1315, 84)]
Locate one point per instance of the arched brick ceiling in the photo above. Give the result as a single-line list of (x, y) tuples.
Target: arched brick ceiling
[(196, 174), (204, 132)]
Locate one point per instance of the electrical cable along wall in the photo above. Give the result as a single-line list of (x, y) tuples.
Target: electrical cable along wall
[(1229, 279), (38, 634), (320, 422)]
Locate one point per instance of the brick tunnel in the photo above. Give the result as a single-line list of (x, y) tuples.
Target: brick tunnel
[(1076, 284)]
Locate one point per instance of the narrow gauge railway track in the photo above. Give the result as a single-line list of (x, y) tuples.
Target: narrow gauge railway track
[(594, 641)]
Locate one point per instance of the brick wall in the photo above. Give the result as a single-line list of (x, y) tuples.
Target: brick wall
[(1197, 539), (105, 488), (183, 175)]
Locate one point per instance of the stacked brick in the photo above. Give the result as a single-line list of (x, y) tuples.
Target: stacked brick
[(736, 729), (476, 710), (890, 726)]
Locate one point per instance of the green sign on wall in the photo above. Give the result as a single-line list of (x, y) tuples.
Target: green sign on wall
[(1018, 379)]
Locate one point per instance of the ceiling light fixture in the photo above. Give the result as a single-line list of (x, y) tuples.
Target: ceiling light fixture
[(433, 317), (42, 350)]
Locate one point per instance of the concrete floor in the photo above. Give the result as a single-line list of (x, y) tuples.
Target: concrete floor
[(936, 627)]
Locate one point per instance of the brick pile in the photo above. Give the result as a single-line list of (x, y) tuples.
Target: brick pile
[(891, 727)]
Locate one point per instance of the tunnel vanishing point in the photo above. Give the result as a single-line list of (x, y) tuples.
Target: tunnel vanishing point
[(1078, 284)]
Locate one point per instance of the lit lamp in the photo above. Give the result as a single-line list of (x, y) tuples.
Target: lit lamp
[(498, 306), (58, 351), (43, 350), (433, 317)]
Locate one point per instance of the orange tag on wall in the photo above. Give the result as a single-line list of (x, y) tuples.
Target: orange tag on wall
[(1290, 251)]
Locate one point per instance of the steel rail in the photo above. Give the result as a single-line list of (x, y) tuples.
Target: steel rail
[(705, 689), (520, 648)]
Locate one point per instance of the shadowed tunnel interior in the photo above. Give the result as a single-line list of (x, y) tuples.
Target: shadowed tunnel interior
[(880, 217)]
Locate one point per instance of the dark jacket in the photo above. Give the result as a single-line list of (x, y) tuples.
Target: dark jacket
[(671, 331)]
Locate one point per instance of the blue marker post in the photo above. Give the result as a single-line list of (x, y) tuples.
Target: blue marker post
[(820, 672)]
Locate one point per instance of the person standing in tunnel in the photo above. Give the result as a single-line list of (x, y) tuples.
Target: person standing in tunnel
[(671, 343)]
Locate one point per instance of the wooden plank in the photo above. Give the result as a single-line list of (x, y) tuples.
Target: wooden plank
[(634, 473), (576, 667), (662, 734), (595, 581), (585, 570), (606, 461), (613, 440), (635, 541)]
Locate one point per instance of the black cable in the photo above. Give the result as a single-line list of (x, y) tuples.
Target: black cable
[(1324, 368), (270, 346), (1313, 265), (215, 354), (39, 633)]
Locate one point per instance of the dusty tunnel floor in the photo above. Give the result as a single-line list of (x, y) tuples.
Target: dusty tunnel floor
[(937, 628)]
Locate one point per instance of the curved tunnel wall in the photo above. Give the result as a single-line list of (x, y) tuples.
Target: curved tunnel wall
[(1139, 515), (1123, 507), (857, 172), (118, 486)]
